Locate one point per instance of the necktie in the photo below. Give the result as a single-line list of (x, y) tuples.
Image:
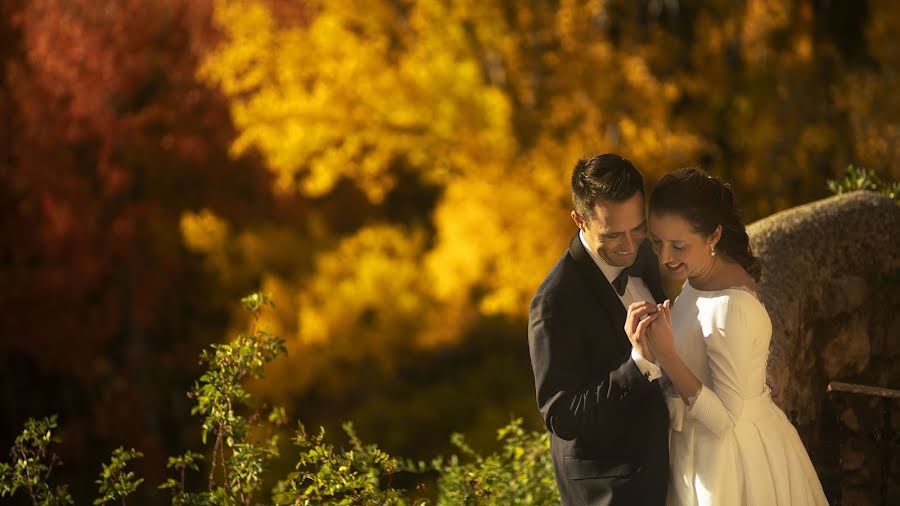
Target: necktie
[(621, 282)]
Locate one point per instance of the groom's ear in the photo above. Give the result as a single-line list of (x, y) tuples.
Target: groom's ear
[(577, 219)]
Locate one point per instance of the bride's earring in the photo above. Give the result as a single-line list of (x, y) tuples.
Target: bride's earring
[(712, 250)]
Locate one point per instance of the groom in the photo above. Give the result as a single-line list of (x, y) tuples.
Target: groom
[(595, 379)]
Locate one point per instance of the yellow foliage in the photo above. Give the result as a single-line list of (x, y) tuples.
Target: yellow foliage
[(203, 232), (762, 17), (352, 95), (378, 265), (493, 102)]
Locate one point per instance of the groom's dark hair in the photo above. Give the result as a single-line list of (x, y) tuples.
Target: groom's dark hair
[(604, 177)]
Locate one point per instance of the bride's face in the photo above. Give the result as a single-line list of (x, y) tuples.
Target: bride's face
[(682, 252)]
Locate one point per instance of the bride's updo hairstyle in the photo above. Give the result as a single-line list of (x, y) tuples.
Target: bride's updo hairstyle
[(706, 202)]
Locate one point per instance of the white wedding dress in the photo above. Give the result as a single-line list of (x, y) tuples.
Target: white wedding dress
[(734, 446)]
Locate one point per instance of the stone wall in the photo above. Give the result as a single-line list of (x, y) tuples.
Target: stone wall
[(831, 284)]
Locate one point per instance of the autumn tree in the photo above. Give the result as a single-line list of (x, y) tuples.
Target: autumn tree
[(491, 103), (107, 137), (417, 155)]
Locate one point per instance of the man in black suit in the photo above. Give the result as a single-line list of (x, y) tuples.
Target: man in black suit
[(595, 376)]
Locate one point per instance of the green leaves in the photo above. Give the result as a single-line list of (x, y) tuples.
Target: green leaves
[(180, 464), (255, 301), (521, 473), (325, 474), (861, 178), (244, 444), (239, 459), (115, 483), (31, 465)]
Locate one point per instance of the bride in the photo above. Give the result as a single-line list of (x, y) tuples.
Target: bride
[(729, 443)]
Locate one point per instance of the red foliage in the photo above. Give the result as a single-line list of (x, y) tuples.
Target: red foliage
[(106, 137)]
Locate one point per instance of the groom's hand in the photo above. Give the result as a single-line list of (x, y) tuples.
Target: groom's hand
[(636, 327)]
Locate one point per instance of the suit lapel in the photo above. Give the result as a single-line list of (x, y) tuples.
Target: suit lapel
[(600, 287), (647, 269)]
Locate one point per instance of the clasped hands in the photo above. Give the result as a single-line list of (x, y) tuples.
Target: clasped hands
[(649, 328)]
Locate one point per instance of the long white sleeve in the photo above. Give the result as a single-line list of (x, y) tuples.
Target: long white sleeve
[(732, 340)]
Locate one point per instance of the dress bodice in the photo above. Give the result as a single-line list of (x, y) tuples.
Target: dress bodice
[(698, 319)]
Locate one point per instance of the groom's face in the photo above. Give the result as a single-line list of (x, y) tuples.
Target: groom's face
[(617, 229)]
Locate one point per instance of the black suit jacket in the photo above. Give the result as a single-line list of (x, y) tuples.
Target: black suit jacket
[(608, 423)]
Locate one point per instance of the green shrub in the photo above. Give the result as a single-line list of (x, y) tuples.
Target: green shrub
[(860, 178), (238, 460), (180, 497), (115, 483), (243, 445), (325, 475), (32, 464), (521, 473)]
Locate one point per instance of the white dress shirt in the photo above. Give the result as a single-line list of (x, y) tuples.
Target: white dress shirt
[(635, 291)]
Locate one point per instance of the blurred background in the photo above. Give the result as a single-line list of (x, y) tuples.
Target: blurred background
[(393, 172)]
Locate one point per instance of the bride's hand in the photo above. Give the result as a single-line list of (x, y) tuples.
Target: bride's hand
[(659, 334)]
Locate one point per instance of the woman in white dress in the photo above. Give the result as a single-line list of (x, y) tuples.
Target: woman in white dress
[(729, 444)]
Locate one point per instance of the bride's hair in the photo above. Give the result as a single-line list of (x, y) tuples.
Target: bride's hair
[(706, 202)]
